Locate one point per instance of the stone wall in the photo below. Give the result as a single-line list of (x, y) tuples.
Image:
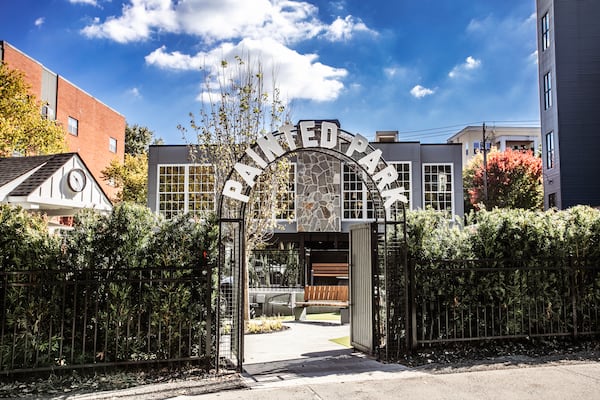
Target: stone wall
[(318, 193)]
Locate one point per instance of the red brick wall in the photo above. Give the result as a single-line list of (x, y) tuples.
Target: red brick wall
[(97, 122), (32, 69)]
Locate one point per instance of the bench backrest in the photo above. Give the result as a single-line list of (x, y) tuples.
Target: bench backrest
[(330, 269), (332, 293)]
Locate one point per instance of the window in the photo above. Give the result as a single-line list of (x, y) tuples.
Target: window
[(286, 200), (185, 188), (437, 187), (201, 189), (112, 145), (545, 31), (356, 203), (404, 175), (466, 149), (549, 150), (552, 200), (547, 90), (73, 126)]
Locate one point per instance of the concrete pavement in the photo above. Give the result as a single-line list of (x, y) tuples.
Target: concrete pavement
[(303, 363)]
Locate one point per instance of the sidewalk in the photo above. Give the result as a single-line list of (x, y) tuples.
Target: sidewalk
[(303, 363)]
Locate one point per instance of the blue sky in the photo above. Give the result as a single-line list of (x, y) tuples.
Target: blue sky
[(426, 68)]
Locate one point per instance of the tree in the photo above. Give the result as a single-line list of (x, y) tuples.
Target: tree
[(137, 139), (131, 176), (514, 180), (236, 111), (23, 130)]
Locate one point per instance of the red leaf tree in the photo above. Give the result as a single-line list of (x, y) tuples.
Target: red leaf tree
[(514, 180)]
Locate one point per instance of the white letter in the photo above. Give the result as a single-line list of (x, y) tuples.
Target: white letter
[(387, 175), (247, 173), (233, 189), (370, 161), (307, 132), (329, 135), (259, 161), (392, 196), (287, 133), (270, 146), (359, 143)]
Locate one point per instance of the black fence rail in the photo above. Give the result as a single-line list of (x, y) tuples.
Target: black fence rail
[(470, 300), (58, 319)]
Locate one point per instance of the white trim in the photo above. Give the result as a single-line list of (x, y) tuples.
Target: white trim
[(186, 180), (410, 180), (451, 183)]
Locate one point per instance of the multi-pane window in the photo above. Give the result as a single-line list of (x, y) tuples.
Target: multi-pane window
[(550, 150), (356, 200), (404, 173), (185, 188), (73, 126), (286, 200), (201, 189), (112, 145), (545, 31), (437, 187), (171, 190), (548, 90)]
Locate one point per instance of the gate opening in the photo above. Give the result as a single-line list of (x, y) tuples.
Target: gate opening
[(375, 251)]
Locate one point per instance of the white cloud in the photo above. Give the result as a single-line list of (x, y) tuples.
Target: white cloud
[(298, 76), (344, 29), (39, 21), (90, 2), (419, 91), (462, 69), (134, 92), (287, 21)]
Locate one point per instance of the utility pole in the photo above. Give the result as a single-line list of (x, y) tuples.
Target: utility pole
[(485, 180)]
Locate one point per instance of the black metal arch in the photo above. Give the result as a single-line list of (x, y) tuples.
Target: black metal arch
[(229, 335)]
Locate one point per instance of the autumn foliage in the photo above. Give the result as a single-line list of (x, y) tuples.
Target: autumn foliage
[(514, 180)]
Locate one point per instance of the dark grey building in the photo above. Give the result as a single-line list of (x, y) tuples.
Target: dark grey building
[(326, 196), (569, 82)]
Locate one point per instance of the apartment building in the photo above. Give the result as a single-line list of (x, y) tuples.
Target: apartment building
[(92, 129), (496, 137), (568, 37)]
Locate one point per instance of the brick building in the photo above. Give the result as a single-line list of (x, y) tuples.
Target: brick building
[(92, 129)]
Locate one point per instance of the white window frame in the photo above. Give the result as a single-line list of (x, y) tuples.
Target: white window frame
[(295, 194), (111, 141), (452, 198), (186, 191), (364, 193), (408, 193), (73, 126)]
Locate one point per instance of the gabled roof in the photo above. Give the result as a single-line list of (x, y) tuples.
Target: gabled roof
[(13, 167), (43, 183)]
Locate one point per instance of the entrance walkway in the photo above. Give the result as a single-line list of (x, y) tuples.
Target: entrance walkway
[(304, 353)]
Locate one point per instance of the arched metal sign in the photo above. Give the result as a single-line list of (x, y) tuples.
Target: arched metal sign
[(325, 137)]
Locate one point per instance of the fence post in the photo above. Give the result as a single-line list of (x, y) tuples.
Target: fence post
[(573, 288), (410, 308)]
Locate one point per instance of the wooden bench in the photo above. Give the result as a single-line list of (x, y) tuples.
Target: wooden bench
[(323, 296), (330, 270)]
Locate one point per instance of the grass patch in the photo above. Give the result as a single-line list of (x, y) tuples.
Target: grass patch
[(343, 341), (333, 316)]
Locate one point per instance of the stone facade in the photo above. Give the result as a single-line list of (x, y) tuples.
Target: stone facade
[(318, 193)]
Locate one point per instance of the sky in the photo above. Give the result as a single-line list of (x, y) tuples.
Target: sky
[(425, 68)]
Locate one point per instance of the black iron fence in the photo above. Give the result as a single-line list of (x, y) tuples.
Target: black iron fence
[(58, 319), (466, 300)]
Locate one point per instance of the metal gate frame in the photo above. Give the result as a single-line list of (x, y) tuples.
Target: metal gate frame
[(230, 300)]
